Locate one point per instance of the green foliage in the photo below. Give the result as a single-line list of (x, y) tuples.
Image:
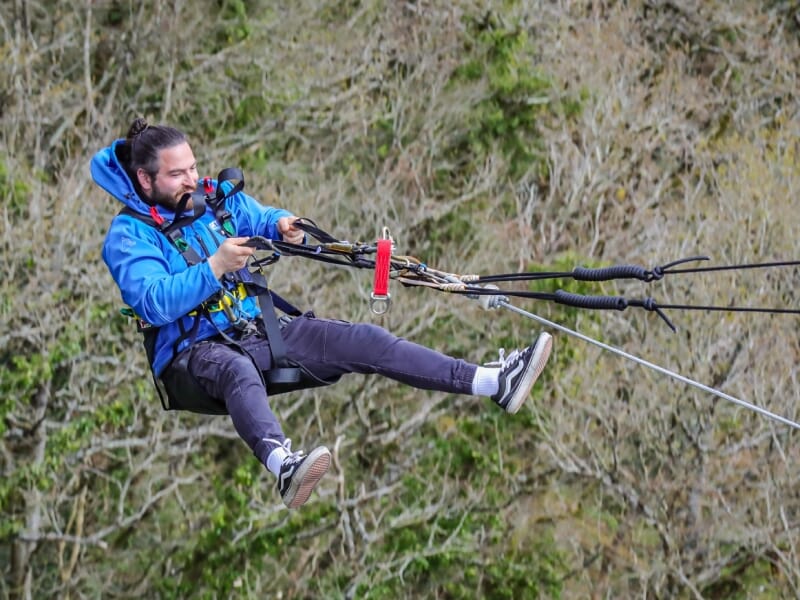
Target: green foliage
[(214, 560), (746, 576), (251, 107), (636, 129), (15, 193), (11, 489), (114, 15), (36, 378), (234, 18), (443, 559), (444, 554), (518, 95), (431, 237), (337, 12)]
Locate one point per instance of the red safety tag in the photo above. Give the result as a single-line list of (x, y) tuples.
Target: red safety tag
[(207, 186), (380, 298), (156, 216)]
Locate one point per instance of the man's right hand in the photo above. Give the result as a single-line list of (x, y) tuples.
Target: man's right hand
[(230, 256)]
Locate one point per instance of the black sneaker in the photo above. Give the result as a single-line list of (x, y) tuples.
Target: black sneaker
[(300, 473), (519, 371)]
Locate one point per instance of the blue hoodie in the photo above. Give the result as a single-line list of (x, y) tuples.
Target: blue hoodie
[(153, 277)]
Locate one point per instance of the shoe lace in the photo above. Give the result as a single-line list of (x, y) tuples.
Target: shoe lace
[(503, 360), (287, 445), (500, 362)]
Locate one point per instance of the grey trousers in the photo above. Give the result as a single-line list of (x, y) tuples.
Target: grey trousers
[(327, 349)]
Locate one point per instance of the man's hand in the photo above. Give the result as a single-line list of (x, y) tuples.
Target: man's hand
[(230, 256), (290, 233)]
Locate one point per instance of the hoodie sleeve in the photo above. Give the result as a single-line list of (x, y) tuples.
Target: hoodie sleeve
[(256, 219), (152, 276)]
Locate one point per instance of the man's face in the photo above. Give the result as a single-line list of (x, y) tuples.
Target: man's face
[(176, 176)]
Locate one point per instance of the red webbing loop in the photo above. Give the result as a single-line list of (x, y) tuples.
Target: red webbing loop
[(379, 302), (381, 285)]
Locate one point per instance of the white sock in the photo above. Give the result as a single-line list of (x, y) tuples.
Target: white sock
[(485, 382), (275, 460)]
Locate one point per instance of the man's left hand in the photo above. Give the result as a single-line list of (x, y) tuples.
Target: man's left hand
[(290, 233)]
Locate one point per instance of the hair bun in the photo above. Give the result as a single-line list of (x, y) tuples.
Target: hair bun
[(137, 127)]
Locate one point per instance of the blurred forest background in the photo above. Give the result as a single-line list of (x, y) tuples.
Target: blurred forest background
[(488, 137)]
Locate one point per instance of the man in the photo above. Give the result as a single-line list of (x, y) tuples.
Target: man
[(178, 283)]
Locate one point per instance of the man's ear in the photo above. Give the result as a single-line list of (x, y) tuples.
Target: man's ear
[(144, 180)]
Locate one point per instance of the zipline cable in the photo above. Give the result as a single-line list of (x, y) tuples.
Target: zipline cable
[(720, 394)]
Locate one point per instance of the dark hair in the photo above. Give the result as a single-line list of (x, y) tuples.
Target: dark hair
[(143, 143)]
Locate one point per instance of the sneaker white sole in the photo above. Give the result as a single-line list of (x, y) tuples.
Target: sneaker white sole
[(541, 354), (307, 477)]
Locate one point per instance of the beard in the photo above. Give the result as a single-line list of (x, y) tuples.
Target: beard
[(167, 200)]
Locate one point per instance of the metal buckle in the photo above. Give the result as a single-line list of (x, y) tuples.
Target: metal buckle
[(379, 303)]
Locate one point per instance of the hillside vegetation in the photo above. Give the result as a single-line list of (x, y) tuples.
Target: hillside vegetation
[(488, 137)]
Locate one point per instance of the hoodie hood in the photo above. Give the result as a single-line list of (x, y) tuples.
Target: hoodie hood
[(110, 175)]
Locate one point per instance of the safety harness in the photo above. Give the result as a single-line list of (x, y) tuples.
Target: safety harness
[(176, 387)]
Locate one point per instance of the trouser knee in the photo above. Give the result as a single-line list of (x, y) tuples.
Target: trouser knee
[(236, 374)]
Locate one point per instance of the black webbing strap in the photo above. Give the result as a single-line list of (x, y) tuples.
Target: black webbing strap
[(217, 203), (191, 334), (308, 226), (282, 371), (172, 229), (285, 305)]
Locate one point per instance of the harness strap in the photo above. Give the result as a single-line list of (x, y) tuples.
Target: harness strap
[(191, 334), (172, 229), (217, 203), (283, 371), (308, 226)]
